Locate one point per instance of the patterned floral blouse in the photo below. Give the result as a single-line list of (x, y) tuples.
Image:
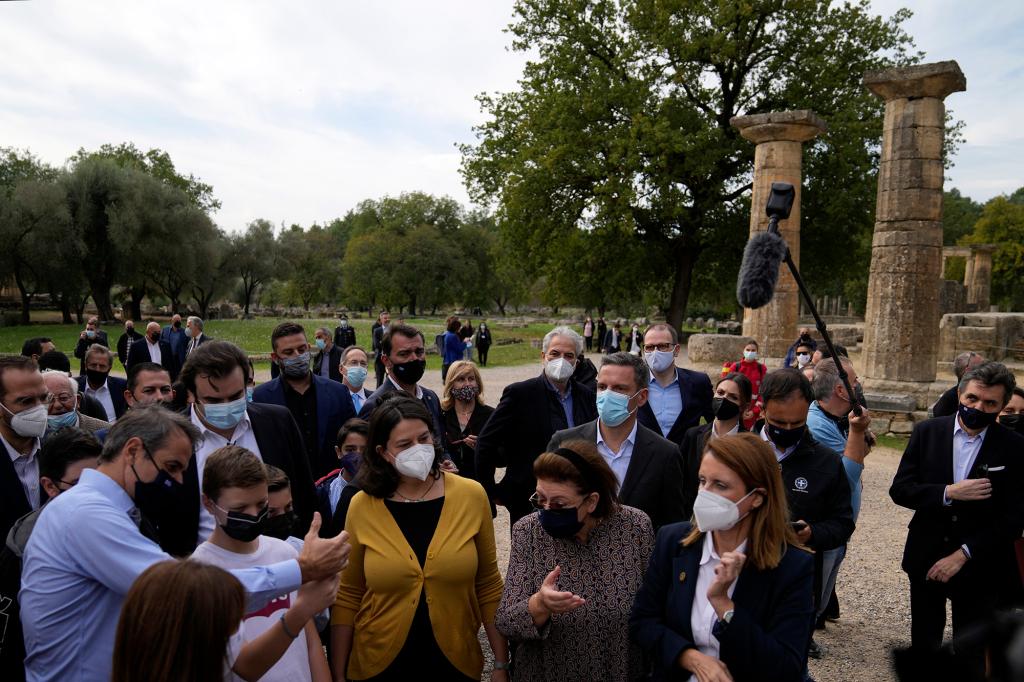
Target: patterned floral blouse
[(592, 642)]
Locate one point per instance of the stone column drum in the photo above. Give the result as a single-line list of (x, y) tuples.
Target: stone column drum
[(979, 286), (778, 157), (901, 340)]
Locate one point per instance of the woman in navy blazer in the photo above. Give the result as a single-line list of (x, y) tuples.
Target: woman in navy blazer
[(755, 609)]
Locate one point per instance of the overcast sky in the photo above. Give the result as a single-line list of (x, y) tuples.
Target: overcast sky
[(296, 111)]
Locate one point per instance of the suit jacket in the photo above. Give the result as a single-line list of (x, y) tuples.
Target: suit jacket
[(139, 352), (196, 342), (123, 342), (694, 442), (333, 357), (771, 625), (947, 403), (83, 345), (344, 336), (13, 502), (430, 400), (695, 389), (654, 478), (178, 341), (333, 408), (606, 341), (518, 431), (116, 386), (378, 334), (987, 527)]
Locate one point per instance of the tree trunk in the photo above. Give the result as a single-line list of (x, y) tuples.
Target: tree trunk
[(65, 309), (26, 297), (79, 304), (136, 303), (412, 305), (686, 259), (500, 302), (101, 297)]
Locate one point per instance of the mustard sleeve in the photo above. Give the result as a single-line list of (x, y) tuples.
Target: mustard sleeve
[(489, 584), (352, 586)]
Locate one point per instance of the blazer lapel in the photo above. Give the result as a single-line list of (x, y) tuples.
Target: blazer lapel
[(946, 449), (685, 569), (638, 461), (683, 400), (323, 410)]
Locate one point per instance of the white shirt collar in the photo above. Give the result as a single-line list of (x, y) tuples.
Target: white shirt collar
[(101, 389), (631, 438), (419, 391), (779, 454), (957, 428), (709, 552), (15, 455), (731, 432)]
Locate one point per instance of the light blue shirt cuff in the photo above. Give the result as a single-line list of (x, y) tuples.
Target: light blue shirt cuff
[(266, 583), (966, 550), (945, 500)]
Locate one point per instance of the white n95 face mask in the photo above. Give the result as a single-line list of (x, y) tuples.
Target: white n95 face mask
[(714, 512), (415, 461), (30, 423), (559, 369)]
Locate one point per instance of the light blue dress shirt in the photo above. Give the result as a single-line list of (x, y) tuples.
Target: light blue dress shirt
[(565, 401), (357, 398), (618, 461), (666, 402), (827, 432), (84, 554)]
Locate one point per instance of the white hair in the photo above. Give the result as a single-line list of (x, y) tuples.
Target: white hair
[(567, 333), (72, 384)]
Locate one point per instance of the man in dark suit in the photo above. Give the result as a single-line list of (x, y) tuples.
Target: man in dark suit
[(962, 476), (528, 414), (174, 334), (731, 404), (344, 333), (124, 341), (318, 405), (355, 362), (403, 353), (649, 467), (151, 348), (327, 362), (90, 336), (612, 341), (214, 378), (947, 403), (98, 384), (378, 335), (22, 425), (194, 332), (678, 397)]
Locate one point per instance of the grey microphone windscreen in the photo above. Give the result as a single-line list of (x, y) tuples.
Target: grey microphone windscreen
[(759, 272)]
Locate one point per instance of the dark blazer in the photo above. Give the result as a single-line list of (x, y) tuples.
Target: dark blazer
[(695, 388), (139, 352), (464, 456), (378, 334), (430, 400), (344, 336), (197, 341), (333, 408), (83, 346), (13, 501), (654, 478), (116, 386), (770, 629), (123, 342), (606, 341), (178, 341), (518, 431), (987, 527), (692, 449), (333, 357), (947, 403)]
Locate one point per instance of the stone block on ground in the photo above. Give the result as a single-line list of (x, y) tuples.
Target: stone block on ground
[(889, 402), (709, 349), (902, 427)]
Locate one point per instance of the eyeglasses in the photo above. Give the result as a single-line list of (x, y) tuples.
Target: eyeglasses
[(59, 397), (535, 501), (651, 347)]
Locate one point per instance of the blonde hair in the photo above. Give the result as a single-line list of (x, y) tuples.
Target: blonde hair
[(457, 370), (752, 459)]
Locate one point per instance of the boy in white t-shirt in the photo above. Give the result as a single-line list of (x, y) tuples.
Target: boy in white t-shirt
[(235, 493)]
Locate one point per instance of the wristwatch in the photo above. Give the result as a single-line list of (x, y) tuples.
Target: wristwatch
[(500, 665), (727, 616)]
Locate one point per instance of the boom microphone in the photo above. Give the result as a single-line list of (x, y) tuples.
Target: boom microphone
[(759, 272)]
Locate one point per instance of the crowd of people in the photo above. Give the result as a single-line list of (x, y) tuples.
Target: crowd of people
[(185, 523)]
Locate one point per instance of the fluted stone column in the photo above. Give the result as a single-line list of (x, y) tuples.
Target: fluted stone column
[(901, 330), (979, 287), (778, 157)]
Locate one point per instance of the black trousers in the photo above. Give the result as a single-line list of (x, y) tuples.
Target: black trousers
[(481, 354), (971, 605), (378, 366), (517, 509)]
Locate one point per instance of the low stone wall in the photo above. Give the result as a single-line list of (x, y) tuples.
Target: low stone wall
[(995, 335)]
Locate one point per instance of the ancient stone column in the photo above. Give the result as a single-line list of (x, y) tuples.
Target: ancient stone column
[(778, 157), (901, 339), (979, 288)]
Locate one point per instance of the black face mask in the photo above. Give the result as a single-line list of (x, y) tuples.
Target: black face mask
[(96, 377), (1012, 422), (976, 419), (785, 438), (177, 325), (560, 523), (280, 526), (409, 372), (153, 338), (724, 409), (155, 497), (244, 527)]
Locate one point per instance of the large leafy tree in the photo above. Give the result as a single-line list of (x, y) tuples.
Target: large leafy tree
[(620, 126), (1002, 223), (256, 258)]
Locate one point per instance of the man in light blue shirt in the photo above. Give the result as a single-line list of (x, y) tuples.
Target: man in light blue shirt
[(88, 547)]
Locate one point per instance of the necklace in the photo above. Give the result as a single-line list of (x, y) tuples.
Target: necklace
[(422, 497)]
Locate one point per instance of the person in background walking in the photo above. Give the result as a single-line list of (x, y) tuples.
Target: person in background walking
[(588, 333), (482, 340), (453, 346), (753, 370), (602, 329), (464, 414)]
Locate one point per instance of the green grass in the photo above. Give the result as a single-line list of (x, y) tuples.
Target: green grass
[(254, 337), (893, 442)]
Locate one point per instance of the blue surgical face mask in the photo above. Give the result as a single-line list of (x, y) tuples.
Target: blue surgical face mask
[(225, 415), (356, 376), (56, 422), (613, 408), (320, 343), (248, 394)]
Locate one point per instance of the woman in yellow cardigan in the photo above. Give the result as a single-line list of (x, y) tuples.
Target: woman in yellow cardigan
[(423, 574)]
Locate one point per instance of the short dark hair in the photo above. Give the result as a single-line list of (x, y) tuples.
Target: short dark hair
[(453, 324), (8, 362), (599, 477), (215, 360), (34, 346), (1018, 391), (277, 479), (138, 368), (54, 359), (406, 330), (742, 382), (660, 327), (285, 329), (354, 425), (376, 475), (641, 373), (232, 466), (780, 384), (990, 374), (840, 348), (152, 424), (349, 349), (64, 448)]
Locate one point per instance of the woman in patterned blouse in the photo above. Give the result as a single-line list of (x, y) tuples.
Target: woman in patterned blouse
[(575, 567)]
